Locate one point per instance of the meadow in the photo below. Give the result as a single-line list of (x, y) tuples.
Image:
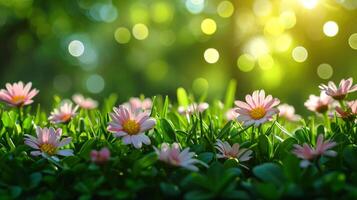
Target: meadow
[(253, 148)]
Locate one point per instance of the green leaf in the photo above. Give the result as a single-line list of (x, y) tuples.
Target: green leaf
[(35, 179), (169, 189), (86, 148), (198, 195), (168, 130), (231, 163), (265, 146), (145, 162), (9, 119), (165, 107), (230, 94), (269, 172), (285, 147), (206, 157), (182, 97), (15, 191), (27, 124), (268, 191), (350, 156)]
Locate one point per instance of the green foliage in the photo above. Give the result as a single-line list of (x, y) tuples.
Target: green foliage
[(273, 172)]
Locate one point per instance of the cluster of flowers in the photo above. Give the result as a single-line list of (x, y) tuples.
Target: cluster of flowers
[(130, 121)]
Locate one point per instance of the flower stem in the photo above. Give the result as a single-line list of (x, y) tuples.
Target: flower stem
[(342, 104), (327, 121)]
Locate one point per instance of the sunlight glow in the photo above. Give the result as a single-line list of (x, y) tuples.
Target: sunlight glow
[(208, 26), (76, 48), (330, 28), (211, 55), (225, 9), (140, 31), (352, 41), (245, 62), (325, 71), (300, 54), (122, 35), (309, 4)]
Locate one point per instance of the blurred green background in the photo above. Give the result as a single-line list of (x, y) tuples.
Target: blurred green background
[(286, 47)]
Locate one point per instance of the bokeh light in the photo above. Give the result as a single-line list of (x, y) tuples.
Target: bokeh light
[(262, 7), (200, 85), (157, 70), (325, 71), (195, 6), (330, 28), (288, 19), (300, 54), (309, 4), (140, 31), (208, 26), (122, 35), (76, 48), (245, 62), (266, 62), (211, 55), (162, 12), (352, 41), (283, 42), (95, 83), (225, 9), (257, 46), (274, 27)]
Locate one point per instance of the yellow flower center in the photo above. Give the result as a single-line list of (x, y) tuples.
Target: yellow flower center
[(18, 99), (257, 113), (131, 127), (50, 149), (66, 117)]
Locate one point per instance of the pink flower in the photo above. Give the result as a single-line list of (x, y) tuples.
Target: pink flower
[(100, 156), (319, 104), (48, 142), (231, 114), (257, 109), (131, 126), (308, 153), (288, 112), (340, 92), (350, 112), (137, 105), (192, 108), (228, 151), (64, 114), (17, 94), (173, 156), (85, 103)]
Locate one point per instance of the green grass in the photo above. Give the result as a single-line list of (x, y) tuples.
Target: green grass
[(274, 172)]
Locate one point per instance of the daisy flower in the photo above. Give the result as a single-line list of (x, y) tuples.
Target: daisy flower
[(85, 103), (18, 94), (192, 108), (131, 126), (257, 109), (137, 105), (48, 142), (308, 153), (174, 156), (288, 112), (64, 114), (231, 114), (100, 156), (350, 112), (340, 92), (319, 104), (228, 151)]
